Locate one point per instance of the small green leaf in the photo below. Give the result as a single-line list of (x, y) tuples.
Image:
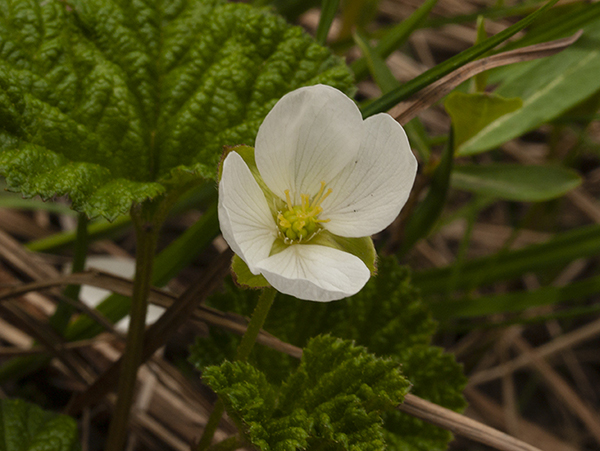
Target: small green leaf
[(244, 277), (116, 102), (516, 182), (471, 113), (549, 87), (26, 427), (334, 399), (390, 99)]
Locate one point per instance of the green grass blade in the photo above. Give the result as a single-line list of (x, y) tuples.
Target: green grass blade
[(394, 38), (381, 73), (561, 249), (429, 210), (96, 230), (515, 302), (328, 10)]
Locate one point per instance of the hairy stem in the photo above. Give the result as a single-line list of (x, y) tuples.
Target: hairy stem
[(146, 237), (254, 326)]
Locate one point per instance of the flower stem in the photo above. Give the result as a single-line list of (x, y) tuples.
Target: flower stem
[(265, 301), (254, 326), (146, 237)]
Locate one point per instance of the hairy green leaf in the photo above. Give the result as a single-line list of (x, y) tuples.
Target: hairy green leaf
[(26, 427), (334, 400), (116, 102)]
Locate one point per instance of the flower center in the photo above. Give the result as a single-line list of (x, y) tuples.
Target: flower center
[(300, 222)]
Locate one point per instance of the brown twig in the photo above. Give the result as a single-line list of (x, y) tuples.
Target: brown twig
[(461, 425)]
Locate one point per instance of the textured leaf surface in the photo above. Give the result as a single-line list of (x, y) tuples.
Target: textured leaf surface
[(115, 102), (387, 317), (334, 399), (26, 427)]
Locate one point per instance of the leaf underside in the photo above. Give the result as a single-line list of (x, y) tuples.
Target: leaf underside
[(113, 102)]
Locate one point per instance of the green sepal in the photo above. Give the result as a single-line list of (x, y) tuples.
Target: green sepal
[(362, 248), (244, 277), (334, 400), (27, 427)]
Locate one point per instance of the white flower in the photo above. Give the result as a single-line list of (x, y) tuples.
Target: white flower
[(319, 169)]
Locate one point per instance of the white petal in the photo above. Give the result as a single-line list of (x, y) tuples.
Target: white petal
[(308, 137), (315, 273), (244, 215), (370, 192)]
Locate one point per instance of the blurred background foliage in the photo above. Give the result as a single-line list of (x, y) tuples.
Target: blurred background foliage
[(501, 233)]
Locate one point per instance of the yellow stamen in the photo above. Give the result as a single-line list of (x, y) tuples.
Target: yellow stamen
[(318, 196), (299, 222), (283, 222), (305, 202), (288, 199)]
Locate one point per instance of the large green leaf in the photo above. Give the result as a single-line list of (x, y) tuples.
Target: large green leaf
[(115, 102), (548, 87), (334, 400), (515, 182), (26, 427)]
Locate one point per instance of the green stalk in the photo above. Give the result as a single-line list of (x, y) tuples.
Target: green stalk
[(146, 237), (61, 317), (265, 301)]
